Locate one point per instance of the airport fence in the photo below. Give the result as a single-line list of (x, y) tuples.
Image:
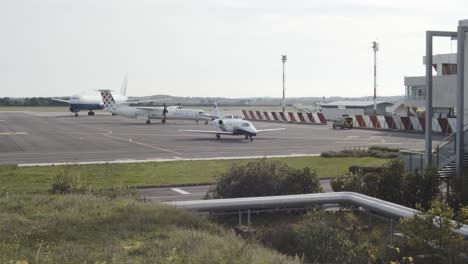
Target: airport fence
[(290, 117)]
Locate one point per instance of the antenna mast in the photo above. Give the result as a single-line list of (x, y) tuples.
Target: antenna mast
[(375, 47), (283, 58)]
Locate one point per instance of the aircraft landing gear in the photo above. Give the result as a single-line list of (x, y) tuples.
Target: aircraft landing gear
[(246, 137), (90, 113), (163, 121), (148, 122), (218, 136), (251, 138), (206, 122), (76, 114)]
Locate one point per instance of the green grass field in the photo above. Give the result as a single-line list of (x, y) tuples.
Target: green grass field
[(31, 179)]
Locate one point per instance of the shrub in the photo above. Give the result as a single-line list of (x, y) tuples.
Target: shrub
[(391, 183), (299, 181), (383, 149), (66, 183), (374, 151), (264, 178), (421, 187), (431, 233)]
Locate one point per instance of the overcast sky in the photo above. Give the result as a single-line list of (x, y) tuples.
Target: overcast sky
[(227, 48)]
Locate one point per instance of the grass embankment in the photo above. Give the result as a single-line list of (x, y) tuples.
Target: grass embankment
[(27, 179), (91, 229)]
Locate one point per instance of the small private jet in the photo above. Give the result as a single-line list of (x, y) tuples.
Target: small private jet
[(163, 113), (234, 126)]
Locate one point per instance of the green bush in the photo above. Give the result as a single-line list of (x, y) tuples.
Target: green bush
[(264, 178), (66, 183), (374, 151), (383, 149), (390, 182)]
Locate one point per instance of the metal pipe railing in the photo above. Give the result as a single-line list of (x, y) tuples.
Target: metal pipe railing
[(373, 204)]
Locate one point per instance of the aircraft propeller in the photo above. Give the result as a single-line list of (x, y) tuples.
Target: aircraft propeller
[(164, 112)]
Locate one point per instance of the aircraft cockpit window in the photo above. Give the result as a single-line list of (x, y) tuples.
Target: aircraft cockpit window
[(245, 124)]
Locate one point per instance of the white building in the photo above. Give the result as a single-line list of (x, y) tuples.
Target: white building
[(444, 89)]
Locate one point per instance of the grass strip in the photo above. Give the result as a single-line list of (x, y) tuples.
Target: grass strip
[(33, 179)]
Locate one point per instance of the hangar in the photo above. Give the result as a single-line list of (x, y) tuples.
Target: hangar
[(333, 110)]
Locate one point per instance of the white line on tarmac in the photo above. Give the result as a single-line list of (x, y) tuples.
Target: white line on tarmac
[(13, 133), (2, 120), (180, 191), (149, 146), (175, 196), (141, 144), (160, 160)]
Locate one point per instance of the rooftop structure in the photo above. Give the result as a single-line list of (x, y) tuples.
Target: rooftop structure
[(444, 88)]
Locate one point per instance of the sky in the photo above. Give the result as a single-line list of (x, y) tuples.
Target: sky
[(217, 48)]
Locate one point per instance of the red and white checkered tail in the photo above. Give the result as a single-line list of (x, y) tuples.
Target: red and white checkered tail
[(107, 99)]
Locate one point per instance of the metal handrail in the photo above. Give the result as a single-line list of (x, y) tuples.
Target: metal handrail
[(374, 204)]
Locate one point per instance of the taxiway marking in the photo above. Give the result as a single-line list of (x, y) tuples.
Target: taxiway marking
[(180, 191), (13, 133)]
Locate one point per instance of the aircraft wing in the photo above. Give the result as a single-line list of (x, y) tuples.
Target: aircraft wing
[(149, 108), (209, 116), (207, 132), (61, 100), (271, 129), (144, 101)]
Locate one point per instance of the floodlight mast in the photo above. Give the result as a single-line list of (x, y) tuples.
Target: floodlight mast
[(375, 47), (283, 58)]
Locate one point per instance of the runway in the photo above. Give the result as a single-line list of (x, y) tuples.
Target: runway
[(38, 137)]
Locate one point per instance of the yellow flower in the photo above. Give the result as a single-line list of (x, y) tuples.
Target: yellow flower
[(411, 259), (397, 250)]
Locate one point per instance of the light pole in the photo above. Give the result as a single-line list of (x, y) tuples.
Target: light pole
[(283, 58), (375, 47)]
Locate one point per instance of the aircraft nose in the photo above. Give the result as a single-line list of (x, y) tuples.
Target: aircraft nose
[(253, 130)]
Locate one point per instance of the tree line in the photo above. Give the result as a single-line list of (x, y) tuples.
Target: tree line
[(30, 101)]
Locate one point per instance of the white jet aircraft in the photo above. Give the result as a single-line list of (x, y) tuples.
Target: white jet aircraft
[(163, 113), (234, 126), (92, 100)]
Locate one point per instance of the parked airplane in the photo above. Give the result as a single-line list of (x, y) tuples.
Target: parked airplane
[(234, 126), (92, 100), (163, 113)]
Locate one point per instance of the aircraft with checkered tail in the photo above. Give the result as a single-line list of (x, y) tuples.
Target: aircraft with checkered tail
[(92, 100), (234, 126), (149, 112)]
